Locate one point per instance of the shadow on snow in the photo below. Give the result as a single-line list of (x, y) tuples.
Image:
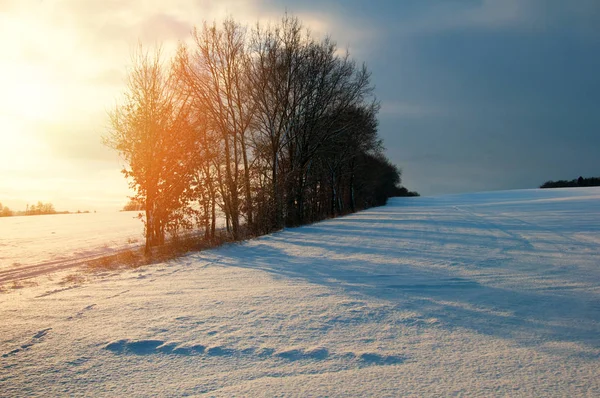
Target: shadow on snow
[(507, 277)]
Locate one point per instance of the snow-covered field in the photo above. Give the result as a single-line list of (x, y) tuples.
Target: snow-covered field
[(478, 295), (34, 240), (34, 245)]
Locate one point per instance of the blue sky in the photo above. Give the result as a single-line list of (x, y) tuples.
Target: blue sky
[(476, 95)]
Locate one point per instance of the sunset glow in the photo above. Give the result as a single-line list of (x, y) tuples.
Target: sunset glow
[(299, 198), (63, 66), (64, 62)]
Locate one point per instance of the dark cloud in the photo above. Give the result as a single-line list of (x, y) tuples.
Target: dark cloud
[(482, 95), (476, 94)]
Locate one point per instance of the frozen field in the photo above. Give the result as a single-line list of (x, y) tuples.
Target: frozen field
[(37, 239), (37, 244), (479, 295)]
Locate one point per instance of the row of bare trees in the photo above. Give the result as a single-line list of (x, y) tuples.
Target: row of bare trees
[(31, 210), (268, 126), (5, 211)]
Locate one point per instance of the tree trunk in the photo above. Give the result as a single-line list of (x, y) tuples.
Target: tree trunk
[(249, 205), (276, 193), (149, 229)]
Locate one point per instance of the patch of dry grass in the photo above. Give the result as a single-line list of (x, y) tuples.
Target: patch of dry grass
[(176, 247), (20, 284), (130, 258), (134, 257), (181, 245), (74, 279)]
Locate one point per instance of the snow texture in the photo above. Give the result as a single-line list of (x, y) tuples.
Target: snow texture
[(34, 245), (481, 295), (53, 239)]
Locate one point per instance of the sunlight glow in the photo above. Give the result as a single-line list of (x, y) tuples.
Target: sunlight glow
[(28, 93), (62, 67)]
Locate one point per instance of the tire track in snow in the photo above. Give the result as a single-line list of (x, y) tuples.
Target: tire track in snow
[(32, 271), (480, 220), (530, 225)]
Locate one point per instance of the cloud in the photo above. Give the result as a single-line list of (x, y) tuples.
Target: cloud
[(524, 15), (109, 77), (446, 16), (64, 64), (492, 14), (76, 140), (408, 110), (8, 5), (473, 92), (164, 27)]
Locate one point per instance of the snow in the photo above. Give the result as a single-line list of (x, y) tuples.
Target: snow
[(25, 241), (34, 244), (478, 294)]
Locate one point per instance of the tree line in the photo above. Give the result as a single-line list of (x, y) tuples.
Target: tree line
[(5, 211), (40, 208), (577, 182), (133, 205), (267, 126)]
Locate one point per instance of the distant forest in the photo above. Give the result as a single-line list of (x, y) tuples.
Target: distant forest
[(402, 191), (38, 209), (578, 182), (266, 125)]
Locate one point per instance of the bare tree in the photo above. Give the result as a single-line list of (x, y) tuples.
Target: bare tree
[(301, 88), (277, 53), (214, 72), (270, 127), (151, 131), (5, 211)]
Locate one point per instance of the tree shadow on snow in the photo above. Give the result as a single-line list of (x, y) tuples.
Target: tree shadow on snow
[(459, 279)]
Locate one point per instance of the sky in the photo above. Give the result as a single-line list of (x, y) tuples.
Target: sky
[(475, 95)]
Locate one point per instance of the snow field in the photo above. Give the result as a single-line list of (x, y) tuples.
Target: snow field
[(31, 240), (479, 295)]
